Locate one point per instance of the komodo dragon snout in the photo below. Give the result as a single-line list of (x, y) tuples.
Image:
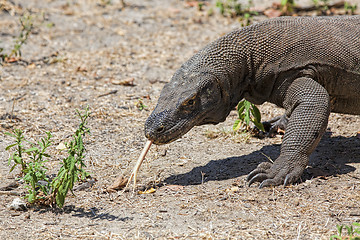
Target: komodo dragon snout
[(199, 102)]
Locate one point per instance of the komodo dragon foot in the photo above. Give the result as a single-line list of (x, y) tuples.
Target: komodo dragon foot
[(277, 173)]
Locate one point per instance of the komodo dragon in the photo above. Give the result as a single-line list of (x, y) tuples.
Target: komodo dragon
[(307, 65)]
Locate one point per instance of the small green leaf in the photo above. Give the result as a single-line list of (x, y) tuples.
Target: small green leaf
[(247, 105), (236, 125), (10, 134), (245, 111), (31, 150), (247, 118), (11, 157), (46, 155), (256, 113), (241, 106), (339, 229), (10, 146), (60, 200), (12, 168), (31, 198), (17, 159)]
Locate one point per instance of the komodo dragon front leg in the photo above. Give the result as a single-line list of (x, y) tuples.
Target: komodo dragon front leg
[(308, 107)]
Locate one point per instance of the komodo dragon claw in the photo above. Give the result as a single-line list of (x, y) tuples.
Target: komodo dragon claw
[(269, 174)]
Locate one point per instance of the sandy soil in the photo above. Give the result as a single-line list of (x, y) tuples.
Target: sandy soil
[(76, 56)]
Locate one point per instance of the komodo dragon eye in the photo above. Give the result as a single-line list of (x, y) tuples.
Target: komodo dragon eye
[(190, 102)]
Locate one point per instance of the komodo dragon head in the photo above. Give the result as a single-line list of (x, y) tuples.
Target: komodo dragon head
[(191, 98)]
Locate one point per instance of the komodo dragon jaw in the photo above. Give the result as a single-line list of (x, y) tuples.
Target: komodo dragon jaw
[(160, 129), (202, 102)]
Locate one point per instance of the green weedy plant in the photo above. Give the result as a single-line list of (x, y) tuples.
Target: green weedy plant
[(350, 9), (72, 169), (351, 231), (323, 7), (229, 7), (34, 171), (27, 25), (232, 8), (287, 6), (247, 112)]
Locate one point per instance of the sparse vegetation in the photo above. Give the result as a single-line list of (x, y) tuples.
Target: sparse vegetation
[(140, 104), (350, 8), (322, 6), (33, 170), (27, 24), (287, 6), (232, 8), (352, 231), (32, 162), (72, 169)]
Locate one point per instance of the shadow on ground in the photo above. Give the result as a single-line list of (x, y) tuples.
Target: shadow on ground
[(91, 213), (330, 158)]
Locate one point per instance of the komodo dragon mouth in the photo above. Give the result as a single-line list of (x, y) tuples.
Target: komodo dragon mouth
[(161, 131)]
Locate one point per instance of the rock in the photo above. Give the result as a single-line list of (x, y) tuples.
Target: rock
[(85, 185), (18, 204), (9, 186)]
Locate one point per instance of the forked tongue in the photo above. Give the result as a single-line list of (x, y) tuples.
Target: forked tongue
[(138, 163)]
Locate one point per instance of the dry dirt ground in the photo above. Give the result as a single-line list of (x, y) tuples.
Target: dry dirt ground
[(76, 55)]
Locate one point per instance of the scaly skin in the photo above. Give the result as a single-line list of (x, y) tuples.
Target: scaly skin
[(307, 65)]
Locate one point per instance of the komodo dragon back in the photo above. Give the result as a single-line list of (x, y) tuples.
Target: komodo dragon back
[(307, 65)]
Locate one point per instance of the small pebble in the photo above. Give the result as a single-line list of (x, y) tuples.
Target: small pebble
[(18, 204)]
